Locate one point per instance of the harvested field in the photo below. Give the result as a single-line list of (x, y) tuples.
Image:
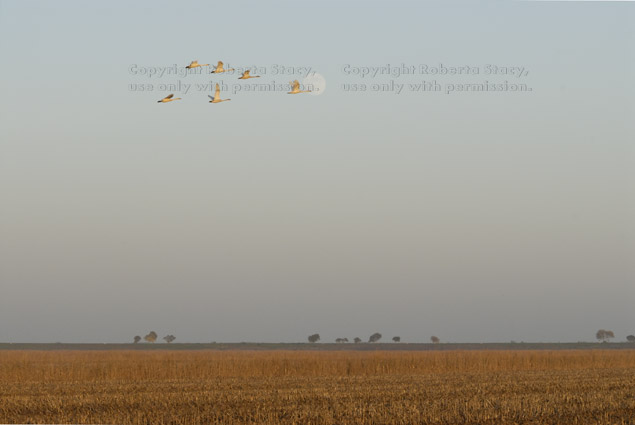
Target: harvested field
[(286, 387)]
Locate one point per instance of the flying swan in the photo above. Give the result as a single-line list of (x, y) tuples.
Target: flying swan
[(246, 76), (219, 68), (195, 64), (216, 98), (168, 98), (295, 88)]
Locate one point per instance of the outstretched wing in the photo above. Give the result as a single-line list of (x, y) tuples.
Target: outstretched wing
[(217, 92), (295, 85), (246, 73), (170, 96)]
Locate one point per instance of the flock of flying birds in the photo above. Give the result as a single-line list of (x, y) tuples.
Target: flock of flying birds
[(295, 85)]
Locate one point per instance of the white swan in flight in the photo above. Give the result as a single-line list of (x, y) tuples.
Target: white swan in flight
[(295, 88), (219, 68), (216, 98), (195, 64), (246, 75), (168, 98)]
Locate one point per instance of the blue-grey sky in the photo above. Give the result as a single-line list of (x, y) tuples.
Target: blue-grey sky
[(475, 216)]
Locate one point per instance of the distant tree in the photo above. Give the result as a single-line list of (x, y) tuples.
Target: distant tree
[(345, 340), (600, 335), (434, 339), (396, 338), (604, 335), (630, 338), (314, 338), (339, 340), (357, 340), (169, 338), (374, 337), (151, 337), (137, 339)]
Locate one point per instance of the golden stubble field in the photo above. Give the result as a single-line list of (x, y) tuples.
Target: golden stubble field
[(305, 387)]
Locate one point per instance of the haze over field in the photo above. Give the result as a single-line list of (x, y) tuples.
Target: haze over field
[(474, 216)]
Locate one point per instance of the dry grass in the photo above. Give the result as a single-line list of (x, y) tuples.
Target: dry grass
[(161, 387)]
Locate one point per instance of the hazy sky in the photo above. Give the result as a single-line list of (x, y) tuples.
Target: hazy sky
[(474, 216)]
